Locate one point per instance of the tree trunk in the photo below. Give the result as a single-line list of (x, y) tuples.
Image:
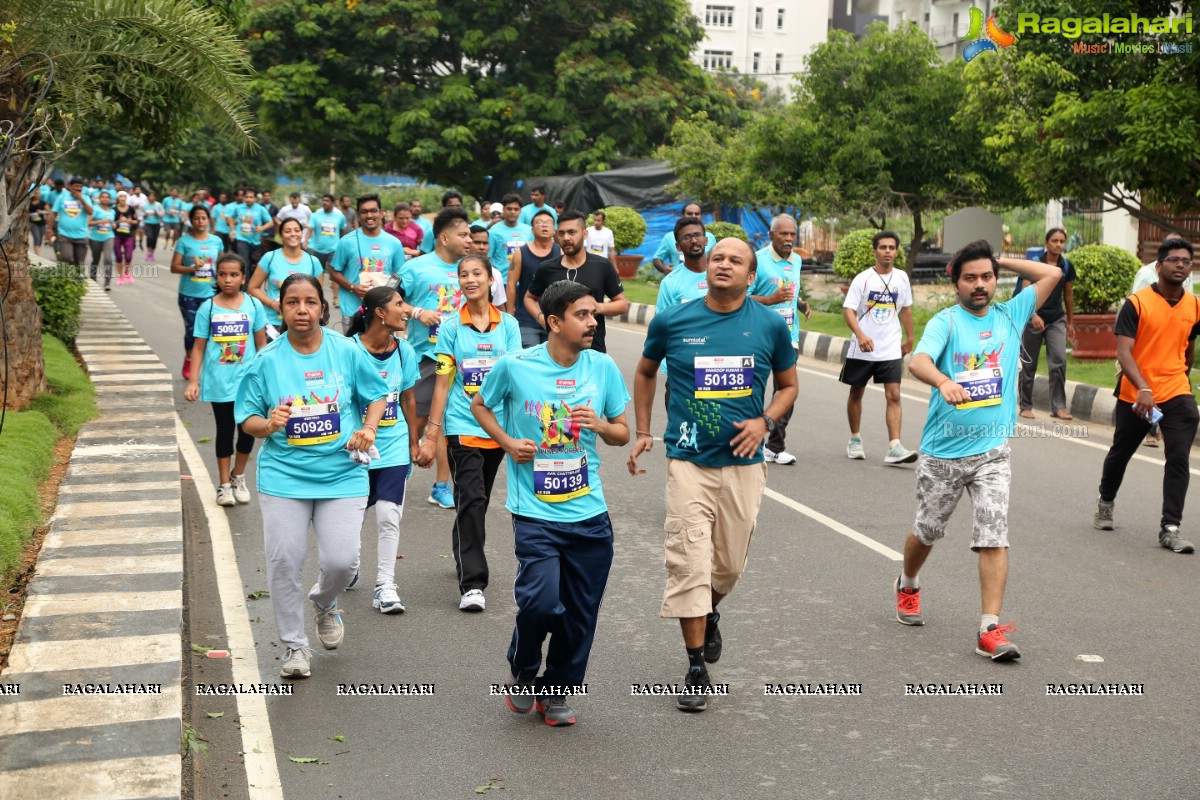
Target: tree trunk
[(915, 246), (25, 370)]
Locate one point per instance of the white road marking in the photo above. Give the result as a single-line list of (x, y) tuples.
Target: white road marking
[(258, 747), (834, 525)]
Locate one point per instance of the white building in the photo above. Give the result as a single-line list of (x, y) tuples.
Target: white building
[(764, 38)]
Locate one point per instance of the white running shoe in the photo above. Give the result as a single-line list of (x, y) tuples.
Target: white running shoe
[(854, 449), (387, 600), (472, 600), (330, 629), (782, 457), (240, 491), (225, 495), (900, 455), (296, 663)]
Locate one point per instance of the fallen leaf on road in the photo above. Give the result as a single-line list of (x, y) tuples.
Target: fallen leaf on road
[(303, 760), (215, 714)]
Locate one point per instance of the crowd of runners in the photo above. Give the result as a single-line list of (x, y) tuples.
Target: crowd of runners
[(468, 342)]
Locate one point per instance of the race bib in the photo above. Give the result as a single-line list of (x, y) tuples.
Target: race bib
[(204, 270), (232, 326), (391, 412), (105, 227), (985, 387), (557, 480), (329, 229), (724, 376), (314, 424), (123, 226), (247, 226), (72, 207), (512, 246), (437, 326), (789, 316), (474, 370)]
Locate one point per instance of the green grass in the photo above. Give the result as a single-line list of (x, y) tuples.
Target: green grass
[(27, 448), (835, 325), (637, 291)]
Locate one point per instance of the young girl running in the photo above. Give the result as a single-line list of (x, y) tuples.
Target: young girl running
[(194, 261), (468, 345), (277, 265), (234, 322), (304, 395), (382, 315)]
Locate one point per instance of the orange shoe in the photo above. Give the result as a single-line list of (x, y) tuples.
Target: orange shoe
[(995, 645), (908, 605)]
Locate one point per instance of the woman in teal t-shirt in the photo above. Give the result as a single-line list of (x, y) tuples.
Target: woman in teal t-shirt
[(275, 266), (194, 262), (228, 332), (305, 395), (100, 238)]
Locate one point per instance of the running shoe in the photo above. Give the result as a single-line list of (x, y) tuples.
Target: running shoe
[(1169, 538), (387, 600), (472, 600), (241, 492), (995, 645), (1103, 520), (712, 638), (854, 449), (225, 496), (521, 702), (353, 582), (1152, 440), (555, 711), (782, 457), (187, 369), (900, 455), (441, 495), (330, 629), (696, 679), (908, 605), (296, 663)]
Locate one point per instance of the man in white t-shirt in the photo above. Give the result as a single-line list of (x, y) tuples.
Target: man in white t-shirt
[(137, 201), (599, 238), (294, 210), (877, 306)]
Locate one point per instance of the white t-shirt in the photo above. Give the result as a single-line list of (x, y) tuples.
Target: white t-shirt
[(300, 212), (137, 201), (600, 241), (876, 300)]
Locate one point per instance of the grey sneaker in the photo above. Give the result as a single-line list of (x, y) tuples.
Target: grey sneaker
[(697, 679), (555, 711), (1169, 538), (854, 449), (225, 496), (296, 663), (908, 605), (1103, 521), (330, 629), (519, 702), (241, 492), (898, 455)]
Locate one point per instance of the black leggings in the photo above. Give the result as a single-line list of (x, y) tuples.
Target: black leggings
[(223, 412), (151, 235)]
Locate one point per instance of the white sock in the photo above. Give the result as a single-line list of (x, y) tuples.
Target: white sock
[(894, 443), (987, 620), (854, 435), (909, 583)]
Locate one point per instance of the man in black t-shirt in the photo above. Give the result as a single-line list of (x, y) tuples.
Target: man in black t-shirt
[(580, 266)]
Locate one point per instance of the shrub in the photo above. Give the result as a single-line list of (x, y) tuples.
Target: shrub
[(59, 290), (855, 254), (628, 227), (1103, 275), (723, 230)]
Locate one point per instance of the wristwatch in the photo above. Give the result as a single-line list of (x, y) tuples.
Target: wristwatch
[(770, 423)]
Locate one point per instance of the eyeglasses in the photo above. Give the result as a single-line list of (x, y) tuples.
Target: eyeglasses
[(691, 237), (1173, 260)]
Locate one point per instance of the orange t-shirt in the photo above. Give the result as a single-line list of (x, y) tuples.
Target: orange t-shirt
[(1164, 332)]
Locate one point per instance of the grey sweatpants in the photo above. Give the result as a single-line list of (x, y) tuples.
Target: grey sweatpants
[(1055, 337), (337, 523)]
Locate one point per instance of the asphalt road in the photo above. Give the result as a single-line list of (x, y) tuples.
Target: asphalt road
[(814, 606)]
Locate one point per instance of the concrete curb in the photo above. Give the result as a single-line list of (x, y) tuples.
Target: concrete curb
[(105, 606)]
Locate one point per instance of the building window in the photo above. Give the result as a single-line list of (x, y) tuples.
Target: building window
[(758, 18), (779, 20), (715, 60), (754, 63), (778, 63), (718, 16)]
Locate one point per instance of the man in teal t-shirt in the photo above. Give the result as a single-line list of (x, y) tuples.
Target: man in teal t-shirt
[(667, 257), (364, 258), (507, 236), (556, 399), (970, 355), (719, 352), (248, 221), (538, 195), (69, 218)]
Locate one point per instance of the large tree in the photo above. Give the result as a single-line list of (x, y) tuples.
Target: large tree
[(457, 90), (153, 68), (1120, 126)]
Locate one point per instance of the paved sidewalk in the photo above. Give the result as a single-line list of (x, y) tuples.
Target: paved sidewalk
[(97, 658)]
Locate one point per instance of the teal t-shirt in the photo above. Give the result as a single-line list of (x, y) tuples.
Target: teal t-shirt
[(503, 241), (172, 208), (473, 354), (152, 213), (668, 250), (770, 275), (529, 209), (246, 221), (104, 231), (681, 286), (718, 365), (400, 371), (327, 390), (326, 230), (562, 483), (230, 348), (366, 259), (983, 355), (70, 217), (277, 268), (204, 254), (429, 283), (427, 239), (220, 223)]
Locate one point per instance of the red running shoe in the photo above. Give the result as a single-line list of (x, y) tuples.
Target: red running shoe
[(995, 645), (908, 605)]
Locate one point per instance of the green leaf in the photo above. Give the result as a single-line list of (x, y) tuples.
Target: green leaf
[(200, 649), (303, 760), (339, 738), (258, 594), (215, 714), (204, 439)]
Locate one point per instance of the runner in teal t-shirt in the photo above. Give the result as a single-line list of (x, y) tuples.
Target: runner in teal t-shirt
[(970, 355), (195, 263), (556, 399), (667, 257), (275, 266), (228, 332), (365, 258), (507, 236), (100, 238), (537, 195)]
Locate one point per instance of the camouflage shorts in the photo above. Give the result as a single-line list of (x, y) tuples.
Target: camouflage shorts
[(940, 484)]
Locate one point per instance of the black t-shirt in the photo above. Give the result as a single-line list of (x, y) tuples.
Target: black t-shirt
[(125, 219), (37, 211), (1052, 309), (597, 273)]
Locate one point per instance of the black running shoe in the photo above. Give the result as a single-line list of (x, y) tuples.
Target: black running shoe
[(697, 680), (712, 638)]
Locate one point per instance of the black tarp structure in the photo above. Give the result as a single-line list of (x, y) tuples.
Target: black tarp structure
[(636, 184)]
